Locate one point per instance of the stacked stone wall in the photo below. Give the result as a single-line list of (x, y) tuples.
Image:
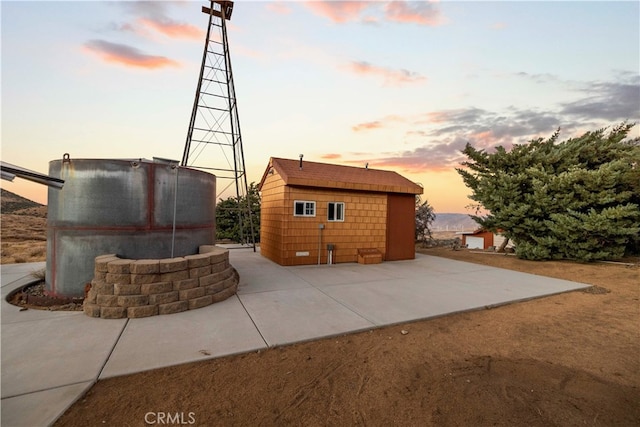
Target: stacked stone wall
[(130, 288)]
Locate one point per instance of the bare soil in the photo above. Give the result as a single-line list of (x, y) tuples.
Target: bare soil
[(565, 360), (35, 296)]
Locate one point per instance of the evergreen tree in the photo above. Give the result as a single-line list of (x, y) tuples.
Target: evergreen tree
[(424, 218), (576, 199), (232, 218)]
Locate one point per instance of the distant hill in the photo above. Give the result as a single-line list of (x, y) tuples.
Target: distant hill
[(11, 203), (453, 222)]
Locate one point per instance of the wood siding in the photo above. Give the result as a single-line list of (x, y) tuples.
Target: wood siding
[(272, 217), (286, 239)]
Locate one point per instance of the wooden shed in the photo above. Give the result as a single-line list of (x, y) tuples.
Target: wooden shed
[(483, 239), (478, 239), (323, 213)]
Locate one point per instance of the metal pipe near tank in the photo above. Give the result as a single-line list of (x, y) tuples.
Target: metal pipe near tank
[(175, 210)]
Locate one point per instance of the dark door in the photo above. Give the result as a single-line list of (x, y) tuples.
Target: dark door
[(401, 226)]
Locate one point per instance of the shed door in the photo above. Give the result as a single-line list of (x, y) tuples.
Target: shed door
[(401, 227), (475, 242)]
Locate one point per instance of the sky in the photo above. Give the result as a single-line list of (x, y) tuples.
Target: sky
[(399, 85)]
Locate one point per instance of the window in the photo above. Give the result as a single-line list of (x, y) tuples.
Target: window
[(335, 211), (304, 208)]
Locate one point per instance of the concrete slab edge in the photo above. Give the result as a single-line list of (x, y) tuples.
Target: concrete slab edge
[(95, 379), (113, 347), (328, 336), (73, 401), (63, 409), (252, 320), (478, 308), (203, 359), (17, 284), (25, 279), (420, 319)]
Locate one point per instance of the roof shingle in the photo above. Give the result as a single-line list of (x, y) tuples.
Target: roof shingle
[(325, 175)]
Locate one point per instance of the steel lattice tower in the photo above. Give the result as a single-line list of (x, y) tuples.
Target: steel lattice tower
[(214, 142)]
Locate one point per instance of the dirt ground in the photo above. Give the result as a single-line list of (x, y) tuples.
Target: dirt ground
[(23, 236), (565, 360)]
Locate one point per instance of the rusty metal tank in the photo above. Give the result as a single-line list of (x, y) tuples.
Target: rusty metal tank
[(134, 208)]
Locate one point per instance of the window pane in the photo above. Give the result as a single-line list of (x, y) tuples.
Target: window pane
[(340, 211), (331, 216), (299, 208), (310, 209)]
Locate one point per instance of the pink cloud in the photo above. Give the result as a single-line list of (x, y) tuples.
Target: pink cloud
[(338, 11), (279, 7), (156, 16), (423, 13), (488, 139), (390, 76), (127, 55), (367, 126), (409, 165), (433, 157), (172, 28), (437, 117), (377, 124), (331, 156)]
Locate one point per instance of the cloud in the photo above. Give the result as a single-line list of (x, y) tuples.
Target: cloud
[(400, 11), (438, 157), (172, 29), (156, 17), (415, 12), (338, 11), (378, 124), (439, 136), (127, 55), (279, 7), (390, 76), (367, 126), (619, 100), (541, 78), (461, 117), (487, 129), (613, 100), (331, 156), (499, 26)]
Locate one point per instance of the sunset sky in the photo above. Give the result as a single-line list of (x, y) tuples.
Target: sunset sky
[(399, 85)]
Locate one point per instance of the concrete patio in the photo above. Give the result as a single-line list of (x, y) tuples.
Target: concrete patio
[(49, 359)]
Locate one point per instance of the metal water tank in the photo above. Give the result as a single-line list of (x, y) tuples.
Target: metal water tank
[(134, 208)]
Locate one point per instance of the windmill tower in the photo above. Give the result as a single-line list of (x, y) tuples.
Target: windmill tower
[(214, 142)]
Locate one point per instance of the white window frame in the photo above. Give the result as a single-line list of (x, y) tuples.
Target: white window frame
[(308, 208), (336, 211)]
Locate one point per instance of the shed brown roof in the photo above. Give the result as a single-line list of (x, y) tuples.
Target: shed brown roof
[(325, 175)]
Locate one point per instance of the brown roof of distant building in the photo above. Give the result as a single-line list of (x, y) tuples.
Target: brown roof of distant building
[(326, 175)]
